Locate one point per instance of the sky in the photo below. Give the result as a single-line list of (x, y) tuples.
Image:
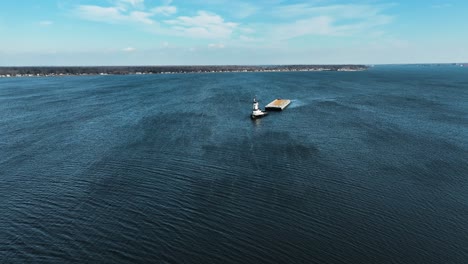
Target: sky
[(220, 32)]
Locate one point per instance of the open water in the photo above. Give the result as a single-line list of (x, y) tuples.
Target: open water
[(362, 167)]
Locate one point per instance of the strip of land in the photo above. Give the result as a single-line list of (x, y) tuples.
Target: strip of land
[(124, 70)]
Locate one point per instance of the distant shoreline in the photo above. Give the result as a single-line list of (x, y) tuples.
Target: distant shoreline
[(31, 71)]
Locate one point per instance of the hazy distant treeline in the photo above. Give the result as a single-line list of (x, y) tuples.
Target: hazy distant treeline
[(62, 70)]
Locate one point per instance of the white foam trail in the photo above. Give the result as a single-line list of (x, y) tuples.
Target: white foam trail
[(296, 103)]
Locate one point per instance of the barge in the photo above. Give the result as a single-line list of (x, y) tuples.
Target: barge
[(278, 104)]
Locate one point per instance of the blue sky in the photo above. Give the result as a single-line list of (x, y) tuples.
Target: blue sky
[(165, 32)]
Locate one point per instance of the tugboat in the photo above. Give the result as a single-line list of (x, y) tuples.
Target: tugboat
[(257, 113)]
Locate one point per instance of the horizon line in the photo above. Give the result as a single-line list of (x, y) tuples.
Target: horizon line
[(251, 65)]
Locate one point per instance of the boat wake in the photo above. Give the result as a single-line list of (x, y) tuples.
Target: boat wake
[(296, 103)]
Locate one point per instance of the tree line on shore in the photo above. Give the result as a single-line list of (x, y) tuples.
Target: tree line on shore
[(93, 70)]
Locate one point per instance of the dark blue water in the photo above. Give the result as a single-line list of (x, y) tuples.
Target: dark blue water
[(363, 167)]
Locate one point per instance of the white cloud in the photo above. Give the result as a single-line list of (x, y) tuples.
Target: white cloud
[(46, 23), (132, 3), (247, 30), (332, 20), (165, 10), (98, 13), (139, 16), (112, 15), (123, 11), (314, 26), (129, 49), (216, 45), (337, 11), (283, 22), (248, 39), (203, 25)]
